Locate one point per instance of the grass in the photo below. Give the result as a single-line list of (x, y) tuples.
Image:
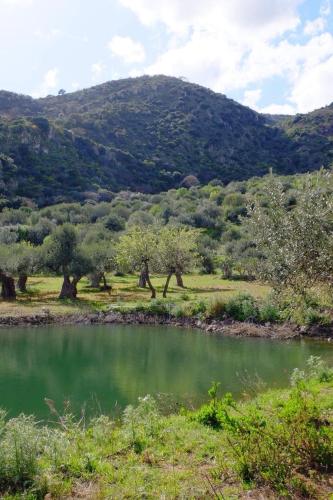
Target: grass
[(43, 292), (150, 455)]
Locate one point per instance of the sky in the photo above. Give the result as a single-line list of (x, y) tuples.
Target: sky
[(275, 56)]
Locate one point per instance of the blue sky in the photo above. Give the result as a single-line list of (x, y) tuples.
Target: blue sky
[(273, 55)]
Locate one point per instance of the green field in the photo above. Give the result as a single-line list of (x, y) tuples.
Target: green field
[(43, 293)]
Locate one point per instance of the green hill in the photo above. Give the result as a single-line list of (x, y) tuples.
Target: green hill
[(146, 134)]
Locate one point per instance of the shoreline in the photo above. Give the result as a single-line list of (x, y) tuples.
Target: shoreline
[(228, 327)]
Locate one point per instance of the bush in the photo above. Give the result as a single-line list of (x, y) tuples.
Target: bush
[(243, 307), (269, 312), (141, 423), (277, 450), (188, 310), (216, 308), (283, 446), (215, 413), (158, 307), (20, 443)]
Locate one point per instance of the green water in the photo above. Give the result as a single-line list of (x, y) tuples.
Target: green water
[(108, 367)]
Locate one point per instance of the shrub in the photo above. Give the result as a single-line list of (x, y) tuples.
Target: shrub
[(215, 413), (275, 450), (20, 443), (141, 423), (269, 312), (189, 309), (158, 307), (216, 308), (243, 307)]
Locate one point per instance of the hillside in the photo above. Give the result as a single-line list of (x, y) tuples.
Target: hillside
[(146, 134)]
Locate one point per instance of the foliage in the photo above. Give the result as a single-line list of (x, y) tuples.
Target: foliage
[(280, 443), (138, 245), (296, 242), (147, 134)]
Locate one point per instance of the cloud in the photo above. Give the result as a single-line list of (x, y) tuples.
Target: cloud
[(47, 35), (180, 16), (49, 83), (75, 86), (251, 98), (278, 109), (314, 27), (127, 49), (325, 8), (97, 70), (50, 80), (230, 46), (313, 89)]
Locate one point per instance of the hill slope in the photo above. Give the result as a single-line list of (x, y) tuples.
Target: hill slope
[(144, 134)]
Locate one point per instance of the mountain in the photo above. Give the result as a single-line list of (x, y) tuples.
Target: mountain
[(146, 134)]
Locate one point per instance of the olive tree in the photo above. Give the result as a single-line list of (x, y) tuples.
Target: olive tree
[(16, 260), (102, 261), (177, 251), (296, 241), (7, 272), (63, 255), (137, 251)]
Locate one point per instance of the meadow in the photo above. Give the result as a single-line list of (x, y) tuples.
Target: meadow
[(43, 293)]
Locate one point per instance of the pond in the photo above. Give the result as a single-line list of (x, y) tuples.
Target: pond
[(107, 367)]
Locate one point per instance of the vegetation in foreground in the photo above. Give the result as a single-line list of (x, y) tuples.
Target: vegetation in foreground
[(279, 444)]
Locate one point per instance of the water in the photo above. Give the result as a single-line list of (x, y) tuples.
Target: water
[(108, 367)]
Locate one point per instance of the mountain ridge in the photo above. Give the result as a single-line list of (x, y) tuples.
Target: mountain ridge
[(146, 134)]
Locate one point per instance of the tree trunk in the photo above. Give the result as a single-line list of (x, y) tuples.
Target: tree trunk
[(166, 286), (68, 289), (151, 288), (179, 279), (142, 279), (22, 283), (8, 291), (95, 280), (105, 287)]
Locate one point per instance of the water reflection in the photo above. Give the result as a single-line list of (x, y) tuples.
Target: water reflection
[(116, 364)]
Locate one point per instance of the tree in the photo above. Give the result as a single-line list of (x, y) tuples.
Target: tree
[(296, 240), (177, 252), (27, 258), (63, 254), (16, 259), (7, 269), (102, 260), (137, 251)]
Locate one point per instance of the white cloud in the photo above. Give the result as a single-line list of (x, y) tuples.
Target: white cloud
[(314, 27), (127, 49), (50, 80), (251, 98), (97, 70), (313, 89), (231, 45), (278, 109), (47, 35), (273, 17), (325, 8), (75, 86), (49, 84)]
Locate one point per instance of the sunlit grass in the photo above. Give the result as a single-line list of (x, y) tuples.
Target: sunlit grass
[(43, 293)]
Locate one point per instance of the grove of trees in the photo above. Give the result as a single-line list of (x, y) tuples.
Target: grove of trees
[(276, 229)]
